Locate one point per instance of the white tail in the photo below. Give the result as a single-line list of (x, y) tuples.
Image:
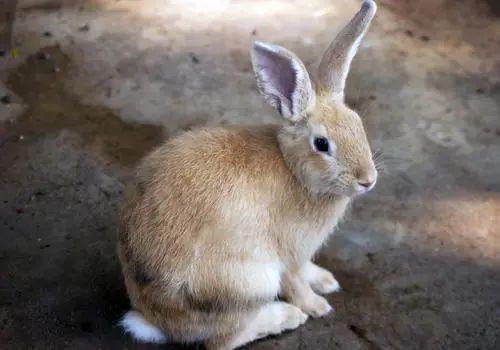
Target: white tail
[(141, 330)]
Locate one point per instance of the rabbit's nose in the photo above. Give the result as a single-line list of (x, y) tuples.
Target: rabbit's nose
[(366, 182)]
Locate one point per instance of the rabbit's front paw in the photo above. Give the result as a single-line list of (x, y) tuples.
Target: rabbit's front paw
[(320, 279), (325, 283), (314, 305)]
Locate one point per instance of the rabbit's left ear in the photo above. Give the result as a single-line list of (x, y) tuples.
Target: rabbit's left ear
[(282, 80)]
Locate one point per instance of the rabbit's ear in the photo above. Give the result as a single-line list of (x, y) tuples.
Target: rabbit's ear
[(336, 61), (282, 80)]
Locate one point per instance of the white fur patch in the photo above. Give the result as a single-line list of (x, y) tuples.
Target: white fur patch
[(141, 330), (263, 278)]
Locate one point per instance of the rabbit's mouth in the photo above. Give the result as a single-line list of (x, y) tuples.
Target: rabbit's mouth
[(351, 189)]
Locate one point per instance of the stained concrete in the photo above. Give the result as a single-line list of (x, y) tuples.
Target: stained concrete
[(97, 84)]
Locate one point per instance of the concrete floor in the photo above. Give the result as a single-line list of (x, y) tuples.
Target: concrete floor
[(97, 84)]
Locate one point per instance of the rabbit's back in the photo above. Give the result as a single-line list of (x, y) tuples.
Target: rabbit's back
[(199, 215)]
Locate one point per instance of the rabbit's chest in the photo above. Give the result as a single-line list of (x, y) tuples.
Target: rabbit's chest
[(308, 233)]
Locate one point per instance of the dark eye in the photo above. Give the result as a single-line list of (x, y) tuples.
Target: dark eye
[(321, 144)]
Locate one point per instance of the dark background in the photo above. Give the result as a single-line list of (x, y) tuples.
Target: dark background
[(93, 85)]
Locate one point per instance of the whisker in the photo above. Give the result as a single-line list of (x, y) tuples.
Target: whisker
[(363, 111), (378, 157), (393, 160), (379, 161), (381, 168)]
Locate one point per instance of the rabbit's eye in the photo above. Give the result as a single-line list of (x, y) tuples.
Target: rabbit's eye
[(321, 144)]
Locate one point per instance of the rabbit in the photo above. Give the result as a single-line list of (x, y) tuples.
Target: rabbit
[(220, 225)]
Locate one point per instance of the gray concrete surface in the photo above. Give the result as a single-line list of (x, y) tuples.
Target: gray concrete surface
[(97, 84)]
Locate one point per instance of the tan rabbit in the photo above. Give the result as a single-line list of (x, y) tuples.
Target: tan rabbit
[(221, 221)]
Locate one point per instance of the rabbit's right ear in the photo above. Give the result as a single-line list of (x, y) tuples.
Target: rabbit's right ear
[(282, 80), (335, 64)]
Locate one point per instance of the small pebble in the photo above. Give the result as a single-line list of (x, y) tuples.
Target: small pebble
[(47, 34), (21, 137), (43, 56), (425, 38), (195, 59), (84, 28), (56, 69), (5, 99)]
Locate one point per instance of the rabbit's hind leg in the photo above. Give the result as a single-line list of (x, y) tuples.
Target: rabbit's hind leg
[(298, 292), (271, 318)]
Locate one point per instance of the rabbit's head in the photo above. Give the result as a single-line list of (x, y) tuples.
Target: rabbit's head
[(323, 142)]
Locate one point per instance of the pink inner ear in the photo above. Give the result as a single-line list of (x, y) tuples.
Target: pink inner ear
[(278, 76)]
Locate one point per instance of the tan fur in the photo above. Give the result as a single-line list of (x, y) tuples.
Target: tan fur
[(221, 221), (354, 158)]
